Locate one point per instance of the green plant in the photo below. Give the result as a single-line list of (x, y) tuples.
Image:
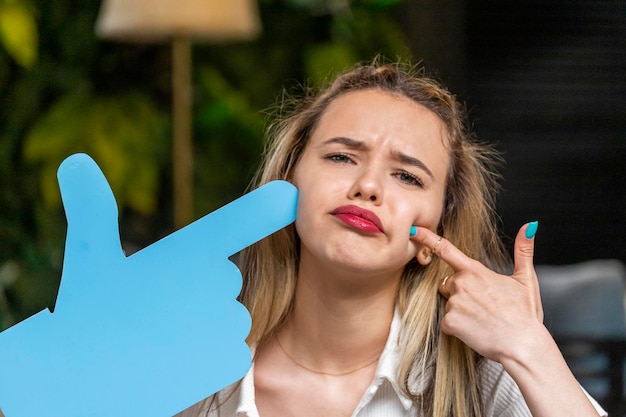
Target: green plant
[(126, 135)]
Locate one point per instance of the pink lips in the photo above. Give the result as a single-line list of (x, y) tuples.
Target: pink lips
[(359, 218)]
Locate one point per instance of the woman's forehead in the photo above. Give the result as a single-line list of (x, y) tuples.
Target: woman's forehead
[(377, 121), (375, 113)]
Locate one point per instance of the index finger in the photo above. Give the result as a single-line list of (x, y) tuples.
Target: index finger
[(443, 248), (251, 217)]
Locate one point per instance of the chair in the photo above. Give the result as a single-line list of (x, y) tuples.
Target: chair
[(585, 312)]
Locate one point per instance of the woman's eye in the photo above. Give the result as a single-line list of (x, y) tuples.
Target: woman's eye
[(339, 157), (408, 178)]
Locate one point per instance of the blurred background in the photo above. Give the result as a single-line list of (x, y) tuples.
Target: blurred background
[(545, 81)]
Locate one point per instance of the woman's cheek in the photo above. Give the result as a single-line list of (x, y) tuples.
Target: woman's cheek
[(433, 218)]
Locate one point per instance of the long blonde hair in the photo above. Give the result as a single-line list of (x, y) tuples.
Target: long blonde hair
[(270, 267)]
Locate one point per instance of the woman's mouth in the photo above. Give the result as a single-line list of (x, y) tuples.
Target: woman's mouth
[(358, 218)]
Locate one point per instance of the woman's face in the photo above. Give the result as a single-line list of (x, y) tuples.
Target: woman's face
[(375, 165)]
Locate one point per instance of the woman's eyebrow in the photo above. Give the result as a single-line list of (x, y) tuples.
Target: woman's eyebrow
[(350, 143), (409, 160)]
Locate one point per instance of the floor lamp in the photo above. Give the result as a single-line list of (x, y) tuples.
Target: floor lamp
[(179, 22)]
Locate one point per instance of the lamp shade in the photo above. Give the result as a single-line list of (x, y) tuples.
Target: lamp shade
[(158, 20)]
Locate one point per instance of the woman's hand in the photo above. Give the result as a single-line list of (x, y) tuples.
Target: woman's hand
[(493, 314), (501, 318)]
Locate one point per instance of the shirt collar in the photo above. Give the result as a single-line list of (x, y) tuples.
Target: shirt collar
[(247, 404), (390, 360)]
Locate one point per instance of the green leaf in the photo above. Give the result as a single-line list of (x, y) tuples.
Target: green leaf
[(126, 136), (18, 32)]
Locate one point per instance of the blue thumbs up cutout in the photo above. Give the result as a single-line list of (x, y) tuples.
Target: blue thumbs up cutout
[(145, 335)]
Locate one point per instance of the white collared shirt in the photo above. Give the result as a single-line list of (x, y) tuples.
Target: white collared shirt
[(383, 398)]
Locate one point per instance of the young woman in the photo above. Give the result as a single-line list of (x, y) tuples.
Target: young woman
[(386, 297)]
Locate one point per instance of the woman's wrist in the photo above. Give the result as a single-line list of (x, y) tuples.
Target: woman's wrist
[(531, 355), (544, 378)]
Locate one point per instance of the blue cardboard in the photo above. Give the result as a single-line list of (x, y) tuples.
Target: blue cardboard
[(145, 335)]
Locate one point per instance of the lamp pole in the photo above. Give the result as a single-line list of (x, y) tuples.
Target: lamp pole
[(180, 22), (182, 146)]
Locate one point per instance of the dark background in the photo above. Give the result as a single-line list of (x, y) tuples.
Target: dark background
[(552, 91), (546, 82)]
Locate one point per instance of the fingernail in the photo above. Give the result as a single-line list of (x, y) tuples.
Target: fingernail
[(531, 230), (413, 230)]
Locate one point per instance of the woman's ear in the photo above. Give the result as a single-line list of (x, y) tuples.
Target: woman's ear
[(424, 256)]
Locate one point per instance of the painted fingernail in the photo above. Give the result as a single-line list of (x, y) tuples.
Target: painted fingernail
[(531, 230), (413, 230)]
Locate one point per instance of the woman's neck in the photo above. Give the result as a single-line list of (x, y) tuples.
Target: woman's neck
[(337, 325)]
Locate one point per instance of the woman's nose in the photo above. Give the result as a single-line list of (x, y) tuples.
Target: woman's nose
[(367, 186)]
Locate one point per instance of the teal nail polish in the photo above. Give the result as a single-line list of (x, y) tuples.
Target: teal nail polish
[(531, 230), (413, 230)]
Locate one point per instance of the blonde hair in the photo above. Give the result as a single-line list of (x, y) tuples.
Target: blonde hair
[(270, 267)]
